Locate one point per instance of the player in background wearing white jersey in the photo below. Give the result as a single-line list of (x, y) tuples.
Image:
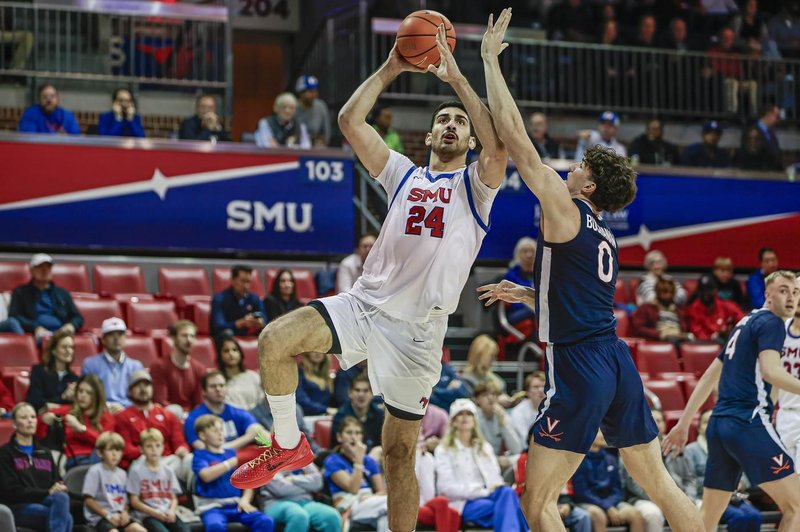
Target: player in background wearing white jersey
[(396, 314), (752, 445), (603, 181), (787, 421)]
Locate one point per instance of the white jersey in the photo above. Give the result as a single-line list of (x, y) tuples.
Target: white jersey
[(790, 359), (428, 242)]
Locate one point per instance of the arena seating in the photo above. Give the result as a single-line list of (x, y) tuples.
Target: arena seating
[(17, 351), (85, 346), (669, 392), (142, 348), (151, 317), (71, 276), (305, 287), (657, 357), (203, 351), (621, 296), (623, 323), (111, 279), (249, 352), (698, 356), (200, 312), (221, 279), (13, 274), (94, 311)]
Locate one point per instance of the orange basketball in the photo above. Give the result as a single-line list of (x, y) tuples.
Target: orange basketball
[(416, 37)]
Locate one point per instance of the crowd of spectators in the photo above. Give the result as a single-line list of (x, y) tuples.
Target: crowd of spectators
[(188, 426)]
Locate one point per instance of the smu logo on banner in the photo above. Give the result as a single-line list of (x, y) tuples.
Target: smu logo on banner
[(158, 196)]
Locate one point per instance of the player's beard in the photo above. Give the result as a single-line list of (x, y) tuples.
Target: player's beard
[(449, 151)]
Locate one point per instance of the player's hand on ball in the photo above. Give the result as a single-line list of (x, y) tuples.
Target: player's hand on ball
[(674, 442), (447, 70), (492, 44), (396, 64), (503, 291)]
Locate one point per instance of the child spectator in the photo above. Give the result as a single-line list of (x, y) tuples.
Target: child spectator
[(153, 487), (354, 478), (289, 499), (217, 501), (105, 500)]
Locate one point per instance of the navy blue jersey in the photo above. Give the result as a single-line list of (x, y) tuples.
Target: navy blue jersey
[(742, 392), (576, 279)]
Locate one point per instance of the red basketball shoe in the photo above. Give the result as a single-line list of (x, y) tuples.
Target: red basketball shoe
[(262, 468)]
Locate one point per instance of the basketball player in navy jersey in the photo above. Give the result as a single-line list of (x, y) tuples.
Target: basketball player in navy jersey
[(396, 313), (740, 435), (592, 382)]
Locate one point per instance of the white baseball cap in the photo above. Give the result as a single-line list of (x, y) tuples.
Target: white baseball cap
[(112, 325), (41, 258), (463, 405)]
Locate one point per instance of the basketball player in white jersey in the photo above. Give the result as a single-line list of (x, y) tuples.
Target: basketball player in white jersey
[(396, 313), (788, 417)]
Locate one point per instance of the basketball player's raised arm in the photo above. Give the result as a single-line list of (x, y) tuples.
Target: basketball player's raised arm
[(494, 157), (366, 142), (674, 442), (543, 181)]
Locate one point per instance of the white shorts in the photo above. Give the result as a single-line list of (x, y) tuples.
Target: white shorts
[(404, 358), (788, 427)]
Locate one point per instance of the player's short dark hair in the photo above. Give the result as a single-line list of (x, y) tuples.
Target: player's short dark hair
[(452, 103), (239, 268), (763, 251), (614, 176)]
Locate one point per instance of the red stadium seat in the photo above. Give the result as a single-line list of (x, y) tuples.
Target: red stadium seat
[(94, 311), (249, 347), (698, 356), (203, 351), (322, 432), (200, 313), (85, 346), (658, 357), (671, 419), (17, 351), (710, 402), (147, 317), (221, 279), (110, 279), (13, 274), (173, 281), (84, 295), (669, 393), (621, 296), (623, 323), (633, 284), (690, 285), (305, 287), (71, 276), (142, 348), (633, 347), (6, 431)]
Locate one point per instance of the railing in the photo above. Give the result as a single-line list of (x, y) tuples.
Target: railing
[(118, 41), (566, 76)]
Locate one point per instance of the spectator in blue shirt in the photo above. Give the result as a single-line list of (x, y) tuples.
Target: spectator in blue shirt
[(598, 487), (521, 273), (755, 283), (47, 116), (708, 152), (361, 407), (113, 366), (121, 120), (239, 426), (39, 307), (217, 501), (448, 389), (236, 311), (315, 385)]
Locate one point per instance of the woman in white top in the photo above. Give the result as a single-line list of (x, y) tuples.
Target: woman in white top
[(467, 473), (244, 385)]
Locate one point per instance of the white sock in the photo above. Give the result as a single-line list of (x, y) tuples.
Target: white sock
[(284, 416)]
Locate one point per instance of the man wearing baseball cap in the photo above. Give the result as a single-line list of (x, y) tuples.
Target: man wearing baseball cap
[(145, 414), (113, 366), (39, 307), (608, 124), (707, 153), (312, 111)]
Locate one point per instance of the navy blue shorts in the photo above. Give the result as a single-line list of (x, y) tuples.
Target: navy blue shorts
[(593, 385), (736, 445)]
